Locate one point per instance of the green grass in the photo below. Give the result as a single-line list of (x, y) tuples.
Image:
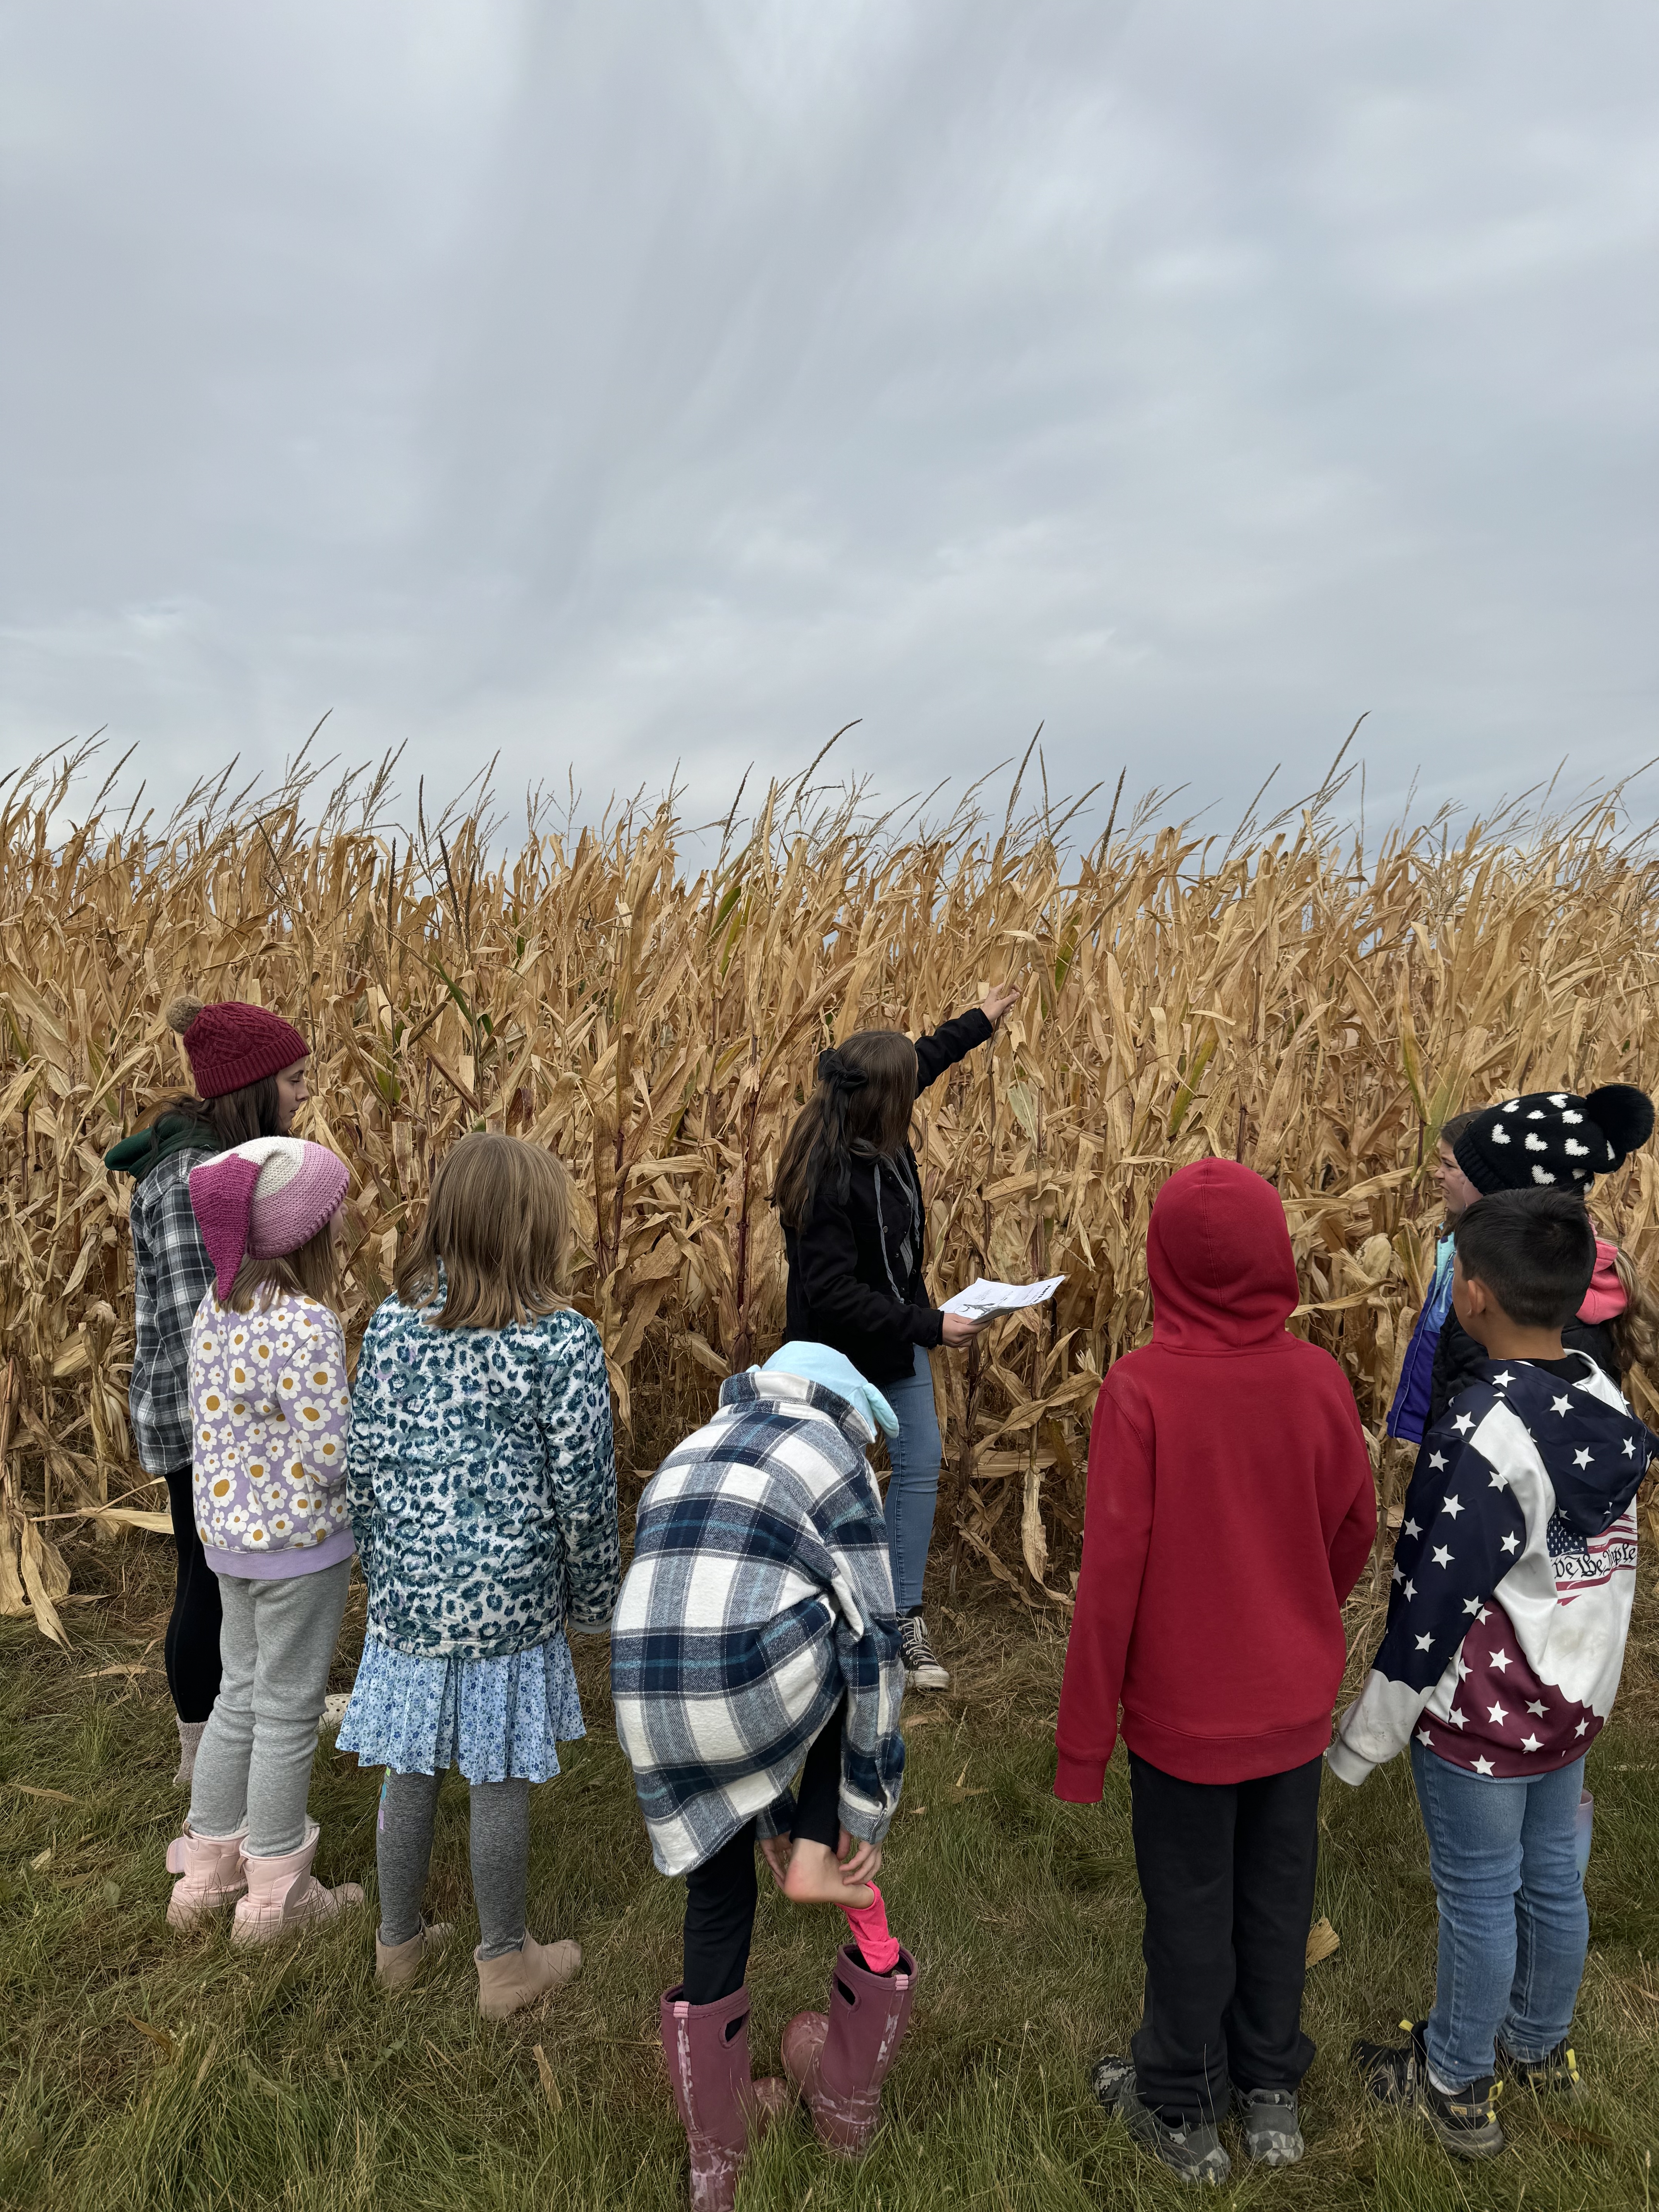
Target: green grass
[(284, 2079)]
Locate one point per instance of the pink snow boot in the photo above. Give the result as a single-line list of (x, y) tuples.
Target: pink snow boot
[(839, 2061), (282, 1894), (721, 2107), (213, 1876)]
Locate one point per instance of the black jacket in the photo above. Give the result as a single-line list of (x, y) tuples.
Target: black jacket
[(843, 1290), (1459, 1360)]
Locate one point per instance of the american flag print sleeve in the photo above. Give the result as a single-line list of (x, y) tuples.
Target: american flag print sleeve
[(1462, 1525)]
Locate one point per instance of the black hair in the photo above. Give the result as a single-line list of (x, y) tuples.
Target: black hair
[(866, 1093), (1533, 1249)]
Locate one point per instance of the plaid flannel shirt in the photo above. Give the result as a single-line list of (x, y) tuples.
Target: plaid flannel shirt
[(759, 1595), (171, 1273)]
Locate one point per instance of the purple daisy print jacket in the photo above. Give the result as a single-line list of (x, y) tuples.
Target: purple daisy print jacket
[(271, 1409)]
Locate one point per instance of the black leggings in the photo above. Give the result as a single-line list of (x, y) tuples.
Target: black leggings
[(720, 1893), (191, 1648)]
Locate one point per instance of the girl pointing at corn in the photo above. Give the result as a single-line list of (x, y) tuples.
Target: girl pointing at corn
[(854, 1229)]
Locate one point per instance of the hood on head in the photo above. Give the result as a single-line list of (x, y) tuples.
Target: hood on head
[(1218, 1257)]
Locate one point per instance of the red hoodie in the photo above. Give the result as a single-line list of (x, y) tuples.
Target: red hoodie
[(1231, 1509)]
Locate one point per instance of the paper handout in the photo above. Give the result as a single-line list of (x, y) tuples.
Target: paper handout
[(984, 1298)]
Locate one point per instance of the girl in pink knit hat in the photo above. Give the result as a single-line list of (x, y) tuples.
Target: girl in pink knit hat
[(271, 1412), (249, 1070)]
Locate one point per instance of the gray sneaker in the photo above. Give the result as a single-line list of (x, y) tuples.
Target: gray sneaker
[(1273, 2127), (921, 1669), (1194, 2153)]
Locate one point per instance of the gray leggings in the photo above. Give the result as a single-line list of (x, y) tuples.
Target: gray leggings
[(276, 1644), (500, 1857)]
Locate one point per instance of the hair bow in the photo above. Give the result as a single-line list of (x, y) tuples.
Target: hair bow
[(840, 1073)]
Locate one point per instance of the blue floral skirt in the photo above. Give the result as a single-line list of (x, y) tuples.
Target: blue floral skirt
[(498, 1720)]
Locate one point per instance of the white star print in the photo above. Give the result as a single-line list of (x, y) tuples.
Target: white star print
[(1423, 1641), (1483, 1616), (1456, 1717), (1582, 1458), (1398, 1576), (1463, 1423), (1500, 1481), (1483, 1767), (1537, 1705), (1471, 1605), (1453, 1508), (1411, 1590), (1496, 1713), (1412, 1529), (1583, 1729), (1443, 1555), (1503, 1380), (1462, 1671), (1500, 1660), (1437, 1459), (1630, 1447), (1510, 1543), (1423, 1736), (1560, 1405), (1529, 1743)]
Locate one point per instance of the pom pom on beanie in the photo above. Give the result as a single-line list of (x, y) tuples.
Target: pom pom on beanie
[(1554, 1138), (263, 1201), (230, 1044)]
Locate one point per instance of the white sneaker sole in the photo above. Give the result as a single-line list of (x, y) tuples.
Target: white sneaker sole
[(927, 1678)]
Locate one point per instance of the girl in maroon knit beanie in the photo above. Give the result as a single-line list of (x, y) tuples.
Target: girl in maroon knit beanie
[(248, 1068)]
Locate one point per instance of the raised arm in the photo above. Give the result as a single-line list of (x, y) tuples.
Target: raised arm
[(576, 1424)]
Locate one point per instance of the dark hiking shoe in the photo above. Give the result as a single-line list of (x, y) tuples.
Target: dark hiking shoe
[(922, 1670), (1554, 2075), (1273, 2126), (1464, 2121), (1194, 2153)]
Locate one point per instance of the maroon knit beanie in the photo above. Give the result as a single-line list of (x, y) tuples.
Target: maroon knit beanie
[(230, 1044)]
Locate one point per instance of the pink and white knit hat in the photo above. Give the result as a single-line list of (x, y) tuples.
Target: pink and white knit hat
[(265, 1199)]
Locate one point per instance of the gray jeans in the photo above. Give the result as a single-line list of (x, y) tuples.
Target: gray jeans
[(277, 1644)]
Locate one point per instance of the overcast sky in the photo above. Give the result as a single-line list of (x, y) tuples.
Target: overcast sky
[(655, 380)]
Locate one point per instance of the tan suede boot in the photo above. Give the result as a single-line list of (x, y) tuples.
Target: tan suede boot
[(521, 1977), (396, 1964)]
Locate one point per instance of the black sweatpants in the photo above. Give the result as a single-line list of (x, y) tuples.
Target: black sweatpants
[(1227, 1872), (720, 1893), (191, 1652)]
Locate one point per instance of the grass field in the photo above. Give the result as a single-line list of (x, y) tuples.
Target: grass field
[(142, 2070)]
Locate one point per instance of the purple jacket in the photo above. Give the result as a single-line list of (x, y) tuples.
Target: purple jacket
[(272, 1413)]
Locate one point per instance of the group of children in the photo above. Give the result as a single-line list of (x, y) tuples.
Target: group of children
[(770, 1619)]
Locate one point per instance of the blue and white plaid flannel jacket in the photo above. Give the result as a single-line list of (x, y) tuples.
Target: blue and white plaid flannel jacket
[(759, 1595)]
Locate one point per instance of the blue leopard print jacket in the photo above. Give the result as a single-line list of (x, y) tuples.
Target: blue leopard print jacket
[(481, 1483)]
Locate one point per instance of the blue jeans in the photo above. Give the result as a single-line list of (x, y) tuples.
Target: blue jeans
[(913, 1486), (1514, 1926)]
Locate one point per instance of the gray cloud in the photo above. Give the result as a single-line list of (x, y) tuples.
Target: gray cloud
[(627, 386)]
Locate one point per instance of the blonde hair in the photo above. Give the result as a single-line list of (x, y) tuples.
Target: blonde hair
[(312, 1272), (1635, 1332), (497, 1223)]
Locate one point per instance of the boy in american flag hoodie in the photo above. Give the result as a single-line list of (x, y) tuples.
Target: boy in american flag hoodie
[(1513, 1580)]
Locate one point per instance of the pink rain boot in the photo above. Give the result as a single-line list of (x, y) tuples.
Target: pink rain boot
[(721, 2107), (839, 2061), (212, 1869), (281, 1895)]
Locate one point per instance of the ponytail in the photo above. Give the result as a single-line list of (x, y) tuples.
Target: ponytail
[(1635, 1332)]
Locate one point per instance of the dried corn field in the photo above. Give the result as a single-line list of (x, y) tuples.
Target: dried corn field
[(1296, 1000)]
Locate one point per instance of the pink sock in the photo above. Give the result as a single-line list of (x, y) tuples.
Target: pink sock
[(869, 1925)]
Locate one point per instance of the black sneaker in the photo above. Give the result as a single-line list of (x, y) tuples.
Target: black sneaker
[(922, 1670), (1194, 2153), (1554, 2075), (1464, 2121), (1273, 2126)]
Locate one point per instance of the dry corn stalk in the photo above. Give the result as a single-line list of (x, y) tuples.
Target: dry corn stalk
[(1312, 1009)]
